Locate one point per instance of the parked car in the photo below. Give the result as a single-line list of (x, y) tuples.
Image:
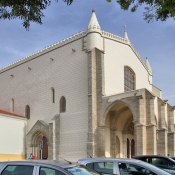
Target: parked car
[(163, 162), (44, 167), (121, 166)]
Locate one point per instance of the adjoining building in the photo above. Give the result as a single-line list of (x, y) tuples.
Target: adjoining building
[(12, 136), (89, 94)]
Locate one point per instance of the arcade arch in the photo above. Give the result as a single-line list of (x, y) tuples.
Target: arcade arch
[(36, 145), (119, 132)]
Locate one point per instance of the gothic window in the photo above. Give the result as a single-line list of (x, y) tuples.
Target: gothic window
[(27, 112), (12, 105), (129, 77), (53, 95), (62, 105)]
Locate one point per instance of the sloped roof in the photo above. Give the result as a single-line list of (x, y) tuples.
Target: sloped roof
[(10, 113)]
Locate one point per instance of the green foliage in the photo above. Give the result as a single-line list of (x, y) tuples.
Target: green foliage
[(155, 9), (26, 10)]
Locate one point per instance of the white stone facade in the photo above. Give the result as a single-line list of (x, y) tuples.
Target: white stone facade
[(100, 118)]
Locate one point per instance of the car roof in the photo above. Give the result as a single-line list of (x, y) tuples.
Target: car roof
[(103, 159), (60, 163), (150, 156)]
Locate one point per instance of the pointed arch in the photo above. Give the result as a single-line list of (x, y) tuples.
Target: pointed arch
[(62, 104), (117, 147), (129, 79), (27, 112)]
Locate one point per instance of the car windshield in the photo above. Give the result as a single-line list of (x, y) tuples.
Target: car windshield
[(81, 170), (154, 168)]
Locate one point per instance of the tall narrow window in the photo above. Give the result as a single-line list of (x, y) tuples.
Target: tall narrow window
[(62, 104), (132, 148), (128, 148), (27, 112), (53, 95), (12, 105), (129, 77)]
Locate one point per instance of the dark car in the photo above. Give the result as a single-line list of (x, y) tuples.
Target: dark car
[(163, 162), (44, 167), (172, 157)]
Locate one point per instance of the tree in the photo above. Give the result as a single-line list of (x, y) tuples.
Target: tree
[(26, 10), (155, 9)]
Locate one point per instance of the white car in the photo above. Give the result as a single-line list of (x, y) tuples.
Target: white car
[(121, 166)]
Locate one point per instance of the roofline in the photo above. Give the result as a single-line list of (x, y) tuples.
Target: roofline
[(11, 114), (45, 50), (70, 39)]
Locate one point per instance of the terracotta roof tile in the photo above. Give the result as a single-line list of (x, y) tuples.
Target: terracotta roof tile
[(10, 113)]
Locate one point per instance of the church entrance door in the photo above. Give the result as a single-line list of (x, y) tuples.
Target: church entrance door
[(119, 132)]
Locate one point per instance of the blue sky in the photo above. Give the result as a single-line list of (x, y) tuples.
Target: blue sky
[(155, 40)]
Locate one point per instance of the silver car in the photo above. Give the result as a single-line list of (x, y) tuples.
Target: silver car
[(44, 167), (121, 166)]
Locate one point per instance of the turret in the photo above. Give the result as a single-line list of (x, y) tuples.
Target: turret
[(125, 34), (94, 38), (148, 66)]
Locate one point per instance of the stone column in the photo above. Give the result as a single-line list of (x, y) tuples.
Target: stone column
[(113, 133), (162, 142), (50, 146), (101, 141), (124, 146), (162, 133), (95, 79), (151, 128), (140, 136), (140, 128), (171, 133), (151, 139), (113, 142), (171, 143)]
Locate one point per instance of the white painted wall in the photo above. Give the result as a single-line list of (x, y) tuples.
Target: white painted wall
[(117, 55), (68, 75), (12, 134)]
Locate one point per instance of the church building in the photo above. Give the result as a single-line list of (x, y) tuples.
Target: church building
[(89, 94)]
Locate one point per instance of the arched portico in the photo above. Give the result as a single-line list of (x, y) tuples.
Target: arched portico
[(36, 138), (33, 140), (119, 131)]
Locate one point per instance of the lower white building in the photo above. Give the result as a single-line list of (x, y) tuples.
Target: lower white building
[(12, 136)]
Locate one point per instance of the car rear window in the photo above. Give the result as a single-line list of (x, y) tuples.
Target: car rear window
[(18, 170)]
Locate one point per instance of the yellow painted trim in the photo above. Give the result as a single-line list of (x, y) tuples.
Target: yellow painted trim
[(4, 157)]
